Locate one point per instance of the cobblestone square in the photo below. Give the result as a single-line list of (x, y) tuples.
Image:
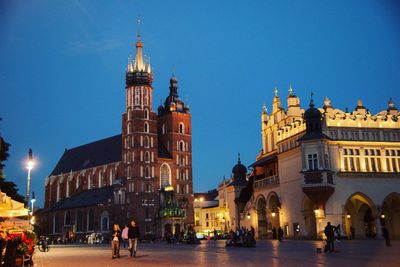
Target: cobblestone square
[(213, 253)]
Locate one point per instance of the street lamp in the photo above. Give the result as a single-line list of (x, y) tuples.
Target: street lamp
[(248, 215), (29, 166), (33, 201)]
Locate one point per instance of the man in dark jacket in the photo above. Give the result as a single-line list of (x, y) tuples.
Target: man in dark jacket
[(330, 236), (385, 234), (133, 235)]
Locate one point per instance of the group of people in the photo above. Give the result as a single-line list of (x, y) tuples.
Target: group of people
[(242, 237), (331, 232), (130, 234)]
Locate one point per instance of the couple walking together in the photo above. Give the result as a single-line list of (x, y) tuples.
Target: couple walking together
[(131, 233)]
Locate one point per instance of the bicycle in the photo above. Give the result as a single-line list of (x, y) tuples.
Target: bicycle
[(43, 245)]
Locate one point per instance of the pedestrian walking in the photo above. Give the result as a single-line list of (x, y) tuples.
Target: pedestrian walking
[(124, 235), (115, 239), (330, 236), (352, 232), (253, 231), (338, 232), (215, 235), (280, 234), (133, 235), (385, 234)]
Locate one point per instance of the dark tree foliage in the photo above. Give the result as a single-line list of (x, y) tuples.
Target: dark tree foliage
[(10, 188)]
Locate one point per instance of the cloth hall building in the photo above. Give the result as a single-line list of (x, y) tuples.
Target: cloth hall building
[(324, 164), (144, 173)]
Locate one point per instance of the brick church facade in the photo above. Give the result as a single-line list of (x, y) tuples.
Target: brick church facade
[(144, 174)]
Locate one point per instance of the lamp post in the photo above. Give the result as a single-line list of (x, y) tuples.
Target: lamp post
[(29, 166), (33, 201), (32, 220)]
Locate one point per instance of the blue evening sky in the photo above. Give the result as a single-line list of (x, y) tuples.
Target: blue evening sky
[(62, 70)]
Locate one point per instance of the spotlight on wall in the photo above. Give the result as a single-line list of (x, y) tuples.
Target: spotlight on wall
[(348, 216), (248, 215), (383, 216), (273, 214)]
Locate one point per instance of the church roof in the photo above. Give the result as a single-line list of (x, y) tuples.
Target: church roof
[(86, 198), (97, 153)]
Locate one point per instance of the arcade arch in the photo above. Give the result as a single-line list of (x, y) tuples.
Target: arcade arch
[(390, 214), (262, 217), (360, 216)]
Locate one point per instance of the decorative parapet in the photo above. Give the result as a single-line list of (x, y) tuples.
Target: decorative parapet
[(339, 118), (312, 178), (267, 181), (363, 175)]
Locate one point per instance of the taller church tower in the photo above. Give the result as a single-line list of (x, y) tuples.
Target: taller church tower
[(156, 153), (139, 129)]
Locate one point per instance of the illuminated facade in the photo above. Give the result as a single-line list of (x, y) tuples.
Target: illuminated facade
[(208, 216), (325, 164), (145, 173)]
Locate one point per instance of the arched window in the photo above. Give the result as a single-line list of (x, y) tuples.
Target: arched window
[(146, 96), (90, 220), (105, 222), (146, 127), (58, 190), (181, 128), (79, 221), (147, 156), (129, 128), (78, 182), (165, 175), (67, 189), (89, 182), (181, 146), (164, 129), (128, 157), (146, 141), (137, 96), (111, 176), (128, 172), (147, 171), (146, 114), (100, 182)]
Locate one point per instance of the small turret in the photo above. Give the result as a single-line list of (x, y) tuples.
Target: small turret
[(327, 104), (293, 103), (173, 102), (360, 109), (392, 110), (313, 118)]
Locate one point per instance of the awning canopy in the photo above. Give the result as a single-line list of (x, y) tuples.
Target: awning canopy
[(11, 208), (263, 161)]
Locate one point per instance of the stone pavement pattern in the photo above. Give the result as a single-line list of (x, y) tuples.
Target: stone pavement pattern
[(210, 253)]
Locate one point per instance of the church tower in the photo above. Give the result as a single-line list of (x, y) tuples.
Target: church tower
[(175, 138), (139, 137)]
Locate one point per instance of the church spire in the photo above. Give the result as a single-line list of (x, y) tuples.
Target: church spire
[(139, 70), (139, 64)]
